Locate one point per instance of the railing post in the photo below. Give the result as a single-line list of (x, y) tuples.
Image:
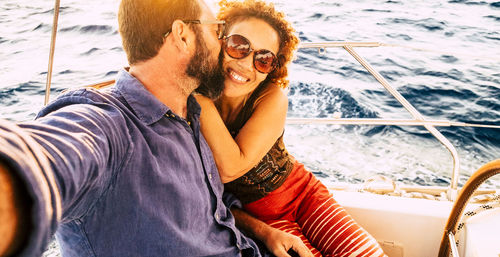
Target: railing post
[(416, 115), (51, 53)]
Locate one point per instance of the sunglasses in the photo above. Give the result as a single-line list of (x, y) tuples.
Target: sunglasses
[(219, 31), (238, 47)]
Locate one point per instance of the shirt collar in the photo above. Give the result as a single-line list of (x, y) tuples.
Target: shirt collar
[(144, 104)]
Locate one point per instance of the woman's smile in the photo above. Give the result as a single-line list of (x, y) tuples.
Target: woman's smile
[(236, 76)]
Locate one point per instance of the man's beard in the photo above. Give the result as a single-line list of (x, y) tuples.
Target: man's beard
[(209, 74)]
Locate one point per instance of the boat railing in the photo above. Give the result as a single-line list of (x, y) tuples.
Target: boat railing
[(57, 5), (419, 119)]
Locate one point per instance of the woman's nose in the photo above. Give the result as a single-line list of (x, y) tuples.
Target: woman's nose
[(247, 61)]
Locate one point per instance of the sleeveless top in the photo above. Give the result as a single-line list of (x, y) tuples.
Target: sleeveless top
[(272, 170)]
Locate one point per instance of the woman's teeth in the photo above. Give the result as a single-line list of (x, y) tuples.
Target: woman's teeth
[(237, 77)]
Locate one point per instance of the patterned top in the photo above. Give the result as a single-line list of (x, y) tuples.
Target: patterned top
[(272, 170)]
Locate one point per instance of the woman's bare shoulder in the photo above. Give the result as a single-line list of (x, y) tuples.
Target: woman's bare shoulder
[(272, 93)]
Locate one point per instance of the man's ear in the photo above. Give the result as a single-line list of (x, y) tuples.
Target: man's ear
[(183, 35)]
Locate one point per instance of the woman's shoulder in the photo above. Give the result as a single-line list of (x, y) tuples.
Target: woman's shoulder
[(272, 93)]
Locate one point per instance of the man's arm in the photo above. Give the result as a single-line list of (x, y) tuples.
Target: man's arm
[(277, 241), (55, 158), (14, 213)]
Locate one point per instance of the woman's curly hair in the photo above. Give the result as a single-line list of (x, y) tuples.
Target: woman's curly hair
[(233, 11)]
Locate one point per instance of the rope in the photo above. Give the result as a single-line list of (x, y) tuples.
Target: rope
[(375, 184), (383, 185), (493, 201)]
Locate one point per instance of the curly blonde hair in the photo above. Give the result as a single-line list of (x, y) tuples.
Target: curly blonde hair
[(234, 11)]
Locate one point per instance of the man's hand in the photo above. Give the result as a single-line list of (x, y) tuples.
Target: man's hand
[(12, 229), (280, 242), (276, 241)]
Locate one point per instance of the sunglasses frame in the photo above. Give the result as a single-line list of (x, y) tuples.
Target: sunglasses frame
[(220, 28), (275, 59)]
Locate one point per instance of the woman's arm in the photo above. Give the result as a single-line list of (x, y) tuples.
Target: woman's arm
[(234, 157)]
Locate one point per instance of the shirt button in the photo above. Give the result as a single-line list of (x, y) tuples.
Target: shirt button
[(209, 175), (217, 217)]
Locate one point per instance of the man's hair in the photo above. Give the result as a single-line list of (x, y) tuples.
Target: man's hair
[(143, 24), (235, 11)]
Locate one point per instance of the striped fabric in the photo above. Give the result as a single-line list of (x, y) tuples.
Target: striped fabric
[(304, 207)]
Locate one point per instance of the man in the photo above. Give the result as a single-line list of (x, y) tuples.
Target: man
[(125, 171)]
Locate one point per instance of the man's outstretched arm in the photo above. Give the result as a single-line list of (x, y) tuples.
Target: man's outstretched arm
[(47, 163), (14, 212), (277, 241)]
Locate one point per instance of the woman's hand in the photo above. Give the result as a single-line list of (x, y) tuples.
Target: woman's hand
[(280, 242)]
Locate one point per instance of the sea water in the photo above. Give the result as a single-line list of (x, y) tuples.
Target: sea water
[(444, 59)]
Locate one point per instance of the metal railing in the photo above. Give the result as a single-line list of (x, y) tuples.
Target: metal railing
[(419, 119), (57, 5)]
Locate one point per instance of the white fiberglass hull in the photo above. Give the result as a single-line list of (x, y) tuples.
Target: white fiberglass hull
[(403, 226)]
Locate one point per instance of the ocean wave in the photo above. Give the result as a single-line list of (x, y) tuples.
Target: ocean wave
[(11, 95), (376, 10), (453, 74), (42, 26), (318, 100), (467, 2), (110, 73), (90, 29), (90, 51), (65, 72), (400, 36), (430, 24), (448, 58), (493, 17), (62, 10)]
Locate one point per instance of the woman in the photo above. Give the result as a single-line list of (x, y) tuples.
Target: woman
[(244, 129)]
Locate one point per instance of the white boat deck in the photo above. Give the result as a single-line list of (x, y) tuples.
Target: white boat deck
[(403, 226)]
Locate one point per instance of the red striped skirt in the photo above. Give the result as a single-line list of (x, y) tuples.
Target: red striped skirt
[(304, 207)]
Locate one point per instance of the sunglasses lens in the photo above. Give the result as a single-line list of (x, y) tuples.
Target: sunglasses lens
[(237, 46), (264, 61)]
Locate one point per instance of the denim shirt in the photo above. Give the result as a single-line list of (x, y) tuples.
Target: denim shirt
[(117, 173)]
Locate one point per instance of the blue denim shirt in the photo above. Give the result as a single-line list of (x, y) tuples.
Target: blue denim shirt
[(117, 173)]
